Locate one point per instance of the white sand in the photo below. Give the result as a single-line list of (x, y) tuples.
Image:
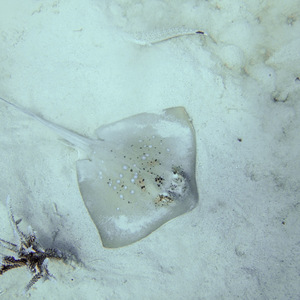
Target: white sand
[(71, 62)]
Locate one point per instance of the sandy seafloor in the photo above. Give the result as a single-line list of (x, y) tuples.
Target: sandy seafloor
[(71, 61)]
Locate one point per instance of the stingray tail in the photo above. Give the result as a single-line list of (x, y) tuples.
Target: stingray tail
[(73, 138)]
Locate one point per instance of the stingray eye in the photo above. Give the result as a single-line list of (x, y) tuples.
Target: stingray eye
[(32, 238)]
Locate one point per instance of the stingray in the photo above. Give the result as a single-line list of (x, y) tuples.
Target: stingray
[(140, 172)]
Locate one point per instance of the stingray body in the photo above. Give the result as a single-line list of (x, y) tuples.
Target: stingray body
[(140, 172)]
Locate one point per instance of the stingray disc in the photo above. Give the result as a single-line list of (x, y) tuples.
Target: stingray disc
[(141, 175)]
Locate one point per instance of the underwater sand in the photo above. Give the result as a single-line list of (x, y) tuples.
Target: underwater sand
[(73, 64)]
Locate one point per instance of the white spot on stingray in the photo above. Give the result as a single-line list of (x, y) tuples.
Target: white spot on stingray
[(121, 196), (125, 167), (125, 187), (121, 175), (132, 192), (132, 180), (114, 187), (143, 157), (118, 181)]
